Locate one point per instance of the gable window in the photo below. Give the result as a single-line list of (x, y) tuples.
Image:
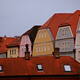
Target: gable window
[(39, 67), (67, 68), (1, 68)]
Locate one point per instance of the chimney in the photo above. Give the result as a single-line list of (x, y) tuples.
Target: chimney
[(5, 37), (56, 53), (27, 53), (74, 52)]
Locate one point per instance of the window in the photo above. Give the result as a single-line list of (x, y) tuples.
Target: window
[(44, 49), (39, 67), (1, 69), (10, 52), (67, 68), (14, 51)]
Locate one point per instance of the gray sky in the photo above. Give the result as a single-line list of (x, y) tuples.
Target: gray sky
[(17, 16)]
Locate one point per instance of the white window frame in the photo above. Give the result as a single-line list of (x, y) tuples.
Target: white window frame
[(39, 67), (1, 68), (67, 68)]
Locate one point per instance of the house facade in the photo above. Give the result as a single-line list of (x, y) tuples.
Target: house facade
[(43, 44), (63, 28), (77, 43), (4, 41), (27, 41), (13, 52), (65, 41), (13, 49), (25, 44), (45, 39)]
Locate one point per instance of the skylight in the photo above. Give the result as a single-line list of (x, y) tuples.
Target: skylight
[(39, 67), (67, 68), (1, 69)]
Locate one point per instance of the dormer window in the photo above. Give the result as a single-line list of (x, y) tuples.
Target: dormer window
[(39, 67), (67, 68), (1, 68)]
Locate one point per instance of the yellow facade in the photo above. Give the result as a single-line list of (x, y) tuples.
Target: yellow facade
[(44, 43), (13, 52)]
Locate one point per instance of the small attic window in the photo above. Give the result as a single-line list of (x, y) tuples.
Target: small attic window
[(67, 68), (1, 68), (39, 67)]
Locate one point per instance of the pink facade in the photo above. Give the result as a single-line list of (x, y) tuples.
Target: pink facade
[(25, 40)]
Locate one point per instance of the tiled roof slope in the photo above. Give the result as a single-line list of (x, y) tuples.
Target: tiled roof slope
[(4, 42), (54, 22), (51, 66), (73, 21), (15, 43), (62, 18)]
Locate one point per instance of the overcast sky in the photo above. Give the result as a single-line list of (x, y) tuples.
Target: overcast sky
[(17, 16)]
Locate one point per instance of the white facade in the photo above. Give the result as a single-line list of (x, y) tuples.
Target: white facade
[(65, 41), (25, 40)]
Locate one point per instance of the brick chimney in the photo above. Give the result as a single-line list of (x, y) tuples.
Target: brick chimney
[(27, 53), (74, 51), (56, 53)]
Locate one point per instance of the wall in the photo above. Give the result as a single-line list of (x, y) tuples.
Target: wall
[(43, 44), (25, 40), (65, 41), (65, 45), (13, 52), (77, 42)]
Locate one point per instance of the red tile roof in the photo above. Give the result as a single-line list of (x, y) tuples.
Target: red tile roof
[(62, 18), (73, 21), (54, 22), (4, 42), (51, 66), (15, 43)]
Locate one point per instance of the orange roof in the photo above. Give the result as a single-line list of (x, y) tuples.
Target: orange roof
[(62, 18), (51, 66), (4, 42)]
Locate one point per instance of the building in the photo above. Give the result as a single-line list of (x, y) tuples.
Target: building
[(67, 36), (4, 41), (13, 48), (44, 42), (27, 41), (39, 68), (60, 31), (77, 43)]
